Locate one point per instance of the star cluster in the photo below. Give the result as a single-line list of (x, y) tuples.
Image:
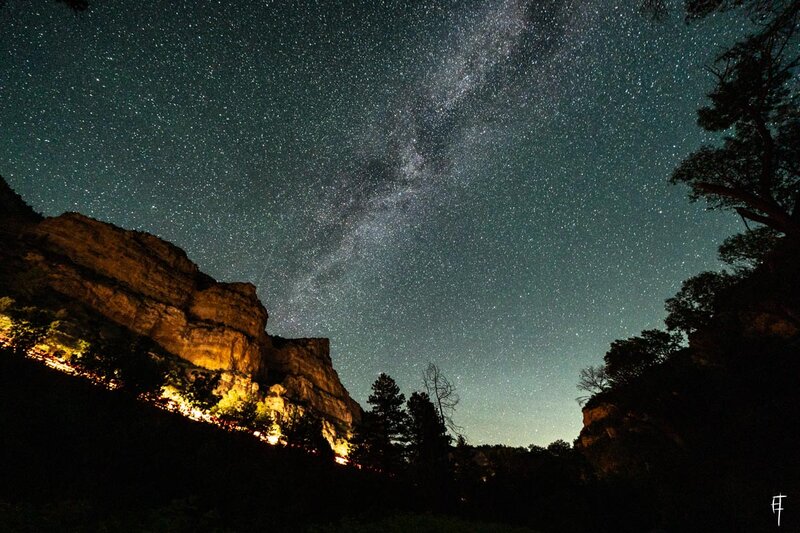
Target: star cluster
[(482, 185)]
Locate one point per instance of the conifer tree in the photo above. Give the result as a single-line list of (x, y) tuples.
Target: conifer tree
[(379, 441), (428, 441)]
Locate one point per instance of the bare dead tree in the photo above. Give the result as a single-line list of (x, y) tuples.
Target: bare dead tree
[(594, 380), (443, 394)]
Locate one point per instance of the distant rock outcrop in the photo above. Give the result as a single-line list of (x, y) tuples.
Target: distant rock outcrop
[(717, 412), (151, 287)]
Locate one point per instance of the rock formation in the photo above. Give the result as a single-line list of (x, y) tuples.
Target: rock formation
[(717, 404), (152, 288)]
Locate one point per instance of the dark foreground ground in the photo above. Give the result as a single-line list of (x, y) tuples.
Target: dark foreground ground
[(76, 457)]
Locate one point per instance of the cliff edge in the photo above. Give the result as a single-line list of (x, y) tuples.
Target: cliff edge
[(152, 288)]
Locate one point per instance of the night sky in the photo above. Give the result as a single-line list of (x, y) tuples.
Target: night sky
[(478, 184)]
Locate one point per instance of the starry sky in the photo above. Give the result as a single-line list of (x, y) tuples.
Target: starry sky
[(482, 185)]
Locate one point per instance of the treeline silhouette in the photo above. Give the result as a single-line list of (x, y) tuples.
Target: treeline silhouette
[(696, 414), (79, 457)]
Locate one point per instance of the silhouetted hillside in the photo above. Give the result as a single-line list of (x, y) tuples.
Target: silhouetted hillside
[(78, 455), (710, 432)]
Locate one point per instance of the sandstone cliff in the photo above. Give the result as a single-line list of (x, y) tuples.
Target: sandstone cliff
[(152, 288), (307, 372)]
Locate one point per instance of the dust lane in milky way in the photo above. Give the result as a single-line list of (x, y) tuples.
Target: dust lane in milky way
[(479, 184)]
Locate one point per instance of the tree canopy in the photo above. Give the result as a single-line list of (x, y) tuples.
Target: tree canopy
[(694, 305), (428, 440), (754, 104), (628, 359), (379, 437)]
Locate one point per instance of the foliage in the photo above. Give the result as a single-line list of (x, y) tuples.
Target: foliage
[(199, 391), (379, 438), (125, 358), (237, 407), (6, 303), (265, 420), (303, 427), (694, 305), (387, 402), (428, 441), (745, 251), (628, 359), (559, 448), (195, 386), (756, 171), (29, 327), (365, 448), (138, 370), (464, 467)]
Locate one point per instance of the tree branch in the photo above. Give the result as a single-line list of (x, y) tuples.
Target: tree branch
[(776, 217), (755, 217)]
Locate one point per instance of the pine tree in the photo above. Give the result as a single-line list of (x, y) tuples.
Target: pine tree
[(379, 441), (428, 441), (428, 449)]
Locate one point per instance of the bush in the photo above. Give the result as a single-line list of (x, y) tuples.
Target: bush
[(29, 327)]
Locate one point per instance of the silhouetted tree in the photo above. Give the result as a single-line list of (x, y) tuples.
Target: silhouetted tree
[(745, 251), (428, 441), (464, 467), (200, 390), (137, 369), (303, 427), (627, 359), (443, 395), (380, 437), (365, 448), (126, 359), (694, 305), (756, 171), (594, 380), (559, 448)]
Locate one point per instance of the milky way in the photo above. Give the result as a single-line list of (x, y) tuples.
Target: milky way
[(410, 158), (479, 184)]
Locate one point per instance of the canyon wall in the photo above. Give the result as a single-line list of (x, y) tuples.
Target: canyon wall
[(151, 287)]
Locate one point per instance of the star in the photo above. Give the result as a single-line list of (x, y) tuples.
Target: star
[(481, 185)]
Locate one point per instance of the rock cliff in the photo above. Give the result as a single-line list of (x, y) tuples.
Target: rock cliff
[(152, 288), (719, 402)]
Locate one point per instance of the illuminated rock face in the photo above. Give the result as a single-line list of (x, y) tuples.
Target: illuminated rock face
[(309, 372), (150, 286)]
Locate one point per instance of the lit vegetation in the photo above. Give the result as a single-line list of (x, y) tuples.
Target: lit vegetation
[(118, 359)]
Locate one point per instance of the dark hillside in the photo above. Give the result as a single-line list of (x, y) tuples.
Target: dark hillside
[(13, 209), (712, 427), (76, 455)]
